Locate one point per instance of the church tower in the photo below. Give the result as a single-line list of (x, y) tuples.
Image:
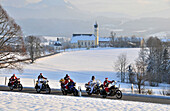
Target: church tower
[(96, 33), (142, 43)]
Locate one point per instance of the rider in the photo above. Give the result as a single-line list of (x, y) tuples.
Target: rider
[(92, 83), (67, 81), (41, 76), (66, 77), (62, 82), (106, 83), (13, 79), (39, 79)]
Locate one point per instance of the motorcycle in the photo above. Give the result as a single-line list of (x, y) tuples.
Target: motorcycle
[(113, 91), (96, 89), (15, 84), (42, 85), (71, 89)]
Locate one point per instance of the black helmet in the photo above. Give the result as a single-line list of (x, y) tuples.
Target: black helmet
[(93, 78)]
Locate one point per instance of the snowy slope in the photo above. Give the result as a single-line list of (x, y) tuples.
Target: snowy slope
[(80, 65), (22, 101)]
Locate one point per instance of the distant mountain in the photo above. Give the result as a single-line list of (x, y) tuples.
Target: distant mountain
[(47, 9), (145, 26), (122, 27), (61, 18), (162, 13)]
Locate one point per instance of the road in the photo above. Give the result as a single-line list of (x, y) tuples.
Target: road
[(125, 97)]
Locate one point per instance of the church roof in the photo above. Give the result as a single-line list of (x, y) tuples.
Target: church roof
[(77, 37), (104, 39)]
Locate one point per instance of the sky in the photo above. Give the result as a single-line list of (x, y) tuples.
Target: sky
[(128, 7)]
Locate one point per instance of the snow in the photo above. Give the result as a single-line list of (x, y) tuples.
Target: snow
[(80, 64), (104, 39), (76, 38), (23, 101)]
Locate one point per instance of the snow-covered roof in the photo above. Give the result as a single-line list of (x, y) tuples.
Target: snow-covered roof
[(77, 37), (57, 43), (104, 39), (165, 40)]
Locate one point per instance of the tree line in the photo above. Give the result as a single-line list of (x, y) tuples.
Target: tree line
[(124, 41), (152, 64)]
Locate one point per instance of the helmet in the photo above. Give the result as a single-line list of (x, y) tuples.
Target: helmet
[(40, 73), (13, 74), (93, 77), (61, 80), (106, 78), (66, 75)]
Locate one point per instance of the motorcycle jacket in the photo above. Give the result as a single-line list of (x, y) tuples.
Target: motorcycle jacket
[(13, 78), (105, 83)]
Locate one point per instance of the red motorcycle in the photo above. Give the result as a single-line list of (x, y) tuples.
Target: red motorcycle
[(15, 84), (113, 91)]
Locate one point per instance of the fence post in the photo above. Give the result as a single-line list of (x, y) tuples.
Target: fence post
[(132, 89), (79, 90), (34, 81), (119, 85), (5, 80)]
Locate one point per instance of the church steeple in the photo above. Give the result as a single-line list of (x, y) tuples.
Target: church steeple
[(96, 25), (96, 33)]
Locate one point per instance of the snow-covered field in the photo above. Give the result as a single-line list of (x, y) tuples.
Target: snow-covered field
[(80, 65), (24, 102)]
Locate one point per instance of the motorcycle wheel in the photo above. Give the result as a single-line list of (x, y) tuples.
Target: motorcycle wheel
[(103, 93), (118, 94), (104, 96), (75, 93), (88, 91), (48, 90), (64, 92), (11, 88), (98, 92), (20, 87), (38, 90)]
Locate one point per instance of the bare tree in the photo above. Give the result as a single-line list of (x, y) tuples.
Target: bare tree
[(141, 64), (11, 42), (121, 65), (112, 41), (34, 47)]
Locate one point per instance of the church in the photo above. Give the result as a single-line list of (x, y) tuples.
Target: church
[(86, 40)]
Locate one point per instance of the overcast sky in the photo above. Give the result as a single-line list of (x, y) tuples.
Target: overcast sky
[(130, 7)]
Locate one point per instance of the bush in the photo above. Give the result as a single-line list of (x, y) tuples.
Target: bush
[(149, 91), (88, 48)]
